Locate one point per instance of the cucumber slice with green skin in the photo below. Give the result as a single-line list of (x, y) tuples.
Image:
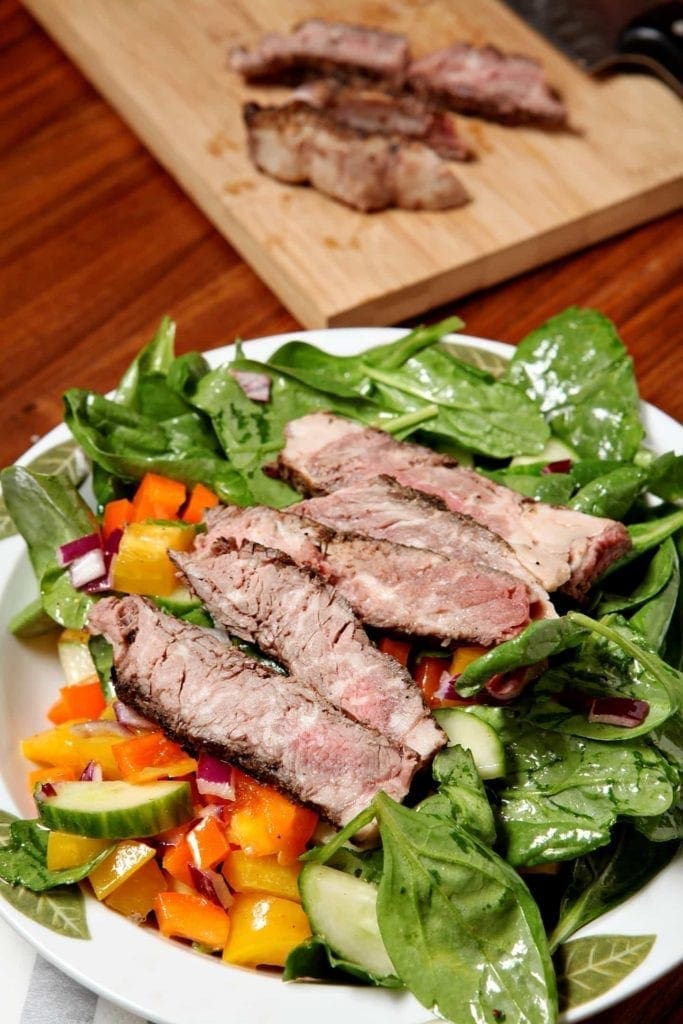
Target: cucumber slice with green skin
[(342, 910), (554, 451), (114, 810), (477, 736)]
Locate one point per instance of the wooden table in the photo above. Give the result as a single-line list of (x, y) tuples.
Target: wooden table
[(98, 243)]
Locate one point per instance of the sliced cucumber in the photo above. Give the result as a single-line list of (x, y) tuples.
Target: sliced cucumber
[(477, 736), (115, 810), (342, 910), (554, 451)]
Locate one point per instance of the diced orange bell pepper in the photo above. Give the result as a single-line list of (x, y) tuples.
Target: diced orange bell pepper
[(262, 874), (427, 675), (67, 746), (59, 713), (150, 756), (158, 497), (117, 515), (399, 649), (208, 843), (200, 500), (65, 850), (264, 930), (142, 565), (265, 822), (127, 857), (135, 897), (84, 700), (177, 860), (191, 916)]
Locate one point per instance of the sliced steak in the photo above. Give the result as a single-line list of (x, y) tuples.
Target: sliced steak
[(382, 508), (389, 586), (510, 88), (298, 144), (209, 696), (562, 548), (374, 110), (324, 46), (293, 615)]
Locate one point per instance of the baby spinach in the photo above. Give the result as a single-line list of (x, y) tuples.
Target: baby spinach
[(23, 859), (579, 373), (605, 878), (611, 494), (461, 794), (659, 570)]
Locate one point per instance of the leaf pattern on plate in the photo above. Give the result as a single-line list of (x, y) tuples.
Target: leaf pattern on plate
[(587, 968), (491, 362), (66, 459), (62, 910)]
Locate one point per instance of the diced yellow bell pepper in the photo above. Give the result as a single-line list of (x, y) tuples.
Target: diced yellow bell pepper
[(65, 850), (261, 874), (67, 746), (127, 857), (464, 656), (264, 930), (142, 565), (135, 897)]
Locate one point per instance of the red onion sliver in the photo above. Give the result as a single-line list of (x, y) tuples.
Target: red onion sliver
[(215, 777), (92, 772), (255, 385), (130, 718), (212, 885), (74, 549), (621, 711), (87, 568), (100, 727), (560, 466), (47, 789)]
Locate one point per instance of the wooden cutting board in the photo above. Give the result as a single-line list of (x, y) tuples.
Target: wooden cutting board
[(535, 195)]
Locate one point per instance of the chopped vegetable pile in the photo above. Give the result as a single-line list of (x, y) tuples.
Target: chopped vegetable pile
[(559, 793)]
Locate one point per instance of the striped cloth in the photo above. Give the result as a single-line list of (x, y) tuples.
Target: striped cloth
[(35, 992)]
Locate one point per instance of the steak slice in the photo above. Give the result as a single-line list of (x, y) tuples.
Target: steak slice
[(209, 696), (293, 615), (298, 144), (389, 586), (374, 110), (384, 509), (562, 548), (510, 88), (324, 46)]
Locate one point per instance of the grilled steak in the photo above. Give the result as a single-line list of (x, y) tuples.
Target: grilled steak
[(373, 110), (193, 685), (260, 595), (324, 46), (383, 509), (562, 548), (296, 143), (389, 586), (509, 88)]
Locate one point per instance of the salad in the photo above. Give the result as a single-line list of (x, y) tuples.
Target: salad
[(544, 811)]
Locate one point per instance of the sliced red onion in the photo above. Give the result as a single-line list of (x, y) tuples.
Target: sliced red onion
[(47, 789), (211, 885), (92, 772), (577, 700), (255, 385), (215, 777), (74, 549), (100, 727), (212, 811), (619, 711), (446, 690), (560, 466), (99, 585), (130, 718), (87, 568), (111, 546), (508, 685)]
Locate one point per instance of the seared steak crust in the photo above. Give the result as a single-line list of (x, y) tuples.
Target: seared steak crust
[(562, 548), (293, 615), (209, 696), (510, 88), (389, 586), (298, 144)]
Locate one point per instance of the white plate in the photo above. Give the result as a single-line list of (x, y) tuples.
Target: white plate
[(167, 983)]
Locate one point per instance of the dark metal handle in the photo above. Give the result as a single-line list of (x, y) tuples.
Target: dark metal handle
[(655, 40)]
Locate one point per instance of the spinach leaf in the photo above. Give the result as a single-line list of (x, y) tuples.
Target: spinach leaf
[(666, 477), (461, 794), (602, 880), (451, 913), (577, 370), (658, 573), (654, 618), (23, 859), (648, 535), (611, 494), (534, 644), (562, 794), (664, 828), (553, 488), (587, 968), (48, 511)]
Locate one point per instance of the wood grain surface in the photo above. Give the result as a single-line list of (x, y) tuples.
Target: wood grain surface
[(97, 243), (536, 195)]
